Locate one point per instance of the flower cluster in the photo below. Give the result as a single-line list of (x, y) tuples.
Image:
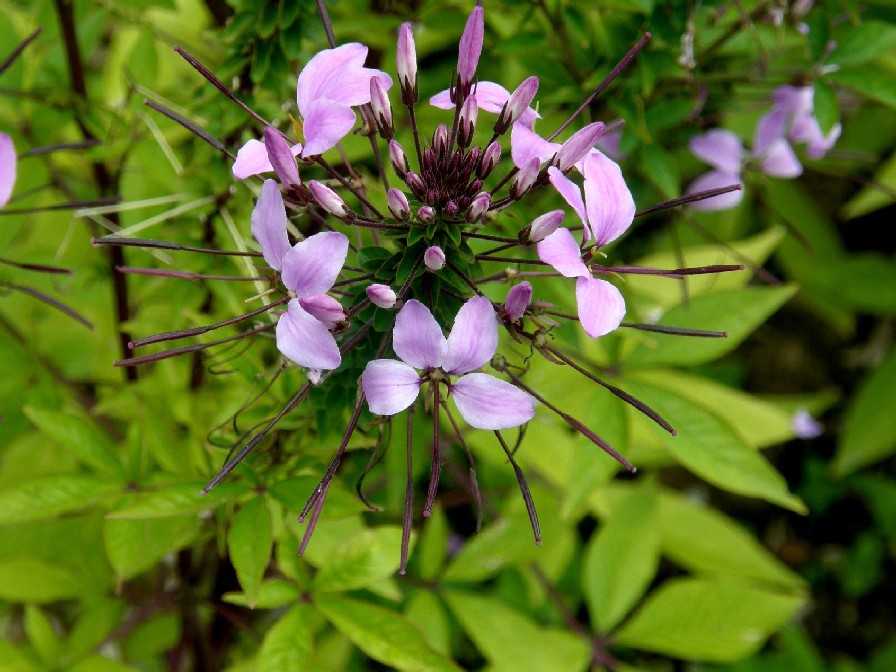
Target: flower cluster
[(791, 121), (416, 266)]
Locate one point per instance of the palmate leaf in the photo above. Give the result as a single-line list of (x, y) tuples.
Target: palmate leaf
[(705, 620), (737, 312), (133, 546), (511, 641), (362, 560), (711, 449), (78, 435), (50, 496), (622, 558), (178, 499), (383, 635)]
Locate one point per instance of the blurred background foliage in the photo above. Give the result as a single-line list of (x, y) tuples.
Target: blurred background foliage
[(738, 546)]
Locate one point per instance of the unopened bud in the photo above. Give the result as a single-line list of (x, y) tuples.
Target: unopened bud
[(434, 258), (281, 158), (398, 204), (406, 64), (470, 47), (525, 178), (490, 159), (440, 140), (541, 227), (324, 309), (399, 159), (581, 142), (518, 299), (382, 109), (519, 102), (329, 200), (426, 215), (466, 122), (478, 206), (381, 296), (451, 208), (416, 183)]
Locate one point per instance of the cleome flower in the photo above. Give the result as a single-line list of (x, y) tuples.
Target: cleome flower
[(484, 401)]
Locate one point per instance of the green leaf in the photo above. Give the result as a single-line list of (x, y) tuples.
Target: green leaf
[(622, 558), (432, 549), (98, 619), (100, 664), (383, 635), (79, 436), (869, 433), (362, 560), (287, 646), (427, 612), (708, 447), (869, 41), (704, 620), (666, 292), (179, 499), (507, 542), (657, 165), (249, 541), (737, 312), (271, 594), (873, 81), (27, 579), (133, 546), (511, 642), (758, 423), (826, 109), (872, 197), (16, 660), (50, 496), (42, 636)]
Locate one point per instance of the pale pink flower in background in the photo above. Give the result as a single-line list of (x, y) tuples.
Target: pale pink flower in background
[(7, 168)]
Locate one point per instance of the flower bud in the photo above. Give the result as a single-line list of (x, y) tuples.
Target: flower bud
[(519, 102), (451, 208), (398, 204), (281, 158), (329, 200), (381, 296), (466, 122), (541, 227), (440, 140), (426, 215), (518, 299), (525, 178), (324, 309), (382, 109), (406, 64), (434, 258), (579, 144), (416, 183), (479, 206), (470, 47), (399, 159), (490, 159)]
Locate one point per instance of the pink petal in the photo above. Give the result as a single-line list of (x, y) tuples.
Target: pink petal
[(716, 180), (337, 74), (305, 340), (570, 192), (312, 265), (325, 123), (269, 225), (772, 126), (252, 159), (281, 158), (390, 386), (780, 160), (473, 338), (601, 306), (720, 149), (526, 145), (562, 252), (610, 206), (486, 402), (417, 337), (324, 309), (7, 168), (442, 100)]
